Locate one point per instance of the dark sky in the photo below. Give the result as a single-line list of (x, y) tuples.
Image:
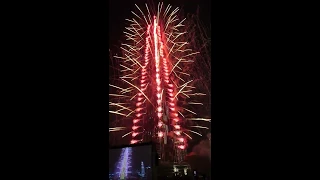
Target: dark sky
[(119, 10)]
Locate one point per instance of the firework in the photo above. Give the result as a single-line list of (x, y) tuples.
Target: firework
[(156, 95)]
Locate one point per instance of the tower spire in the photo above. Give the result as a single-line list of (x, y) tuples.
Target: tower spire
[(142, 169)]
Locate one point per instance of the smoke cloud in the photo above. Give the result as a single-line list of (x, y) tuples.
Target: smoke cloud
[(203, 148)]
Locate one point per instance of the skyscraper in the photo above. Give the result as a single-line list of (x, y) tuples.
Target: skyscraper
[(124, 163), (142, 169)]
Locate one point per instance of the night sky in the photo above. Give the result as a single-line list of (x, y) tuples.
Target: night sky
[(119, 10)]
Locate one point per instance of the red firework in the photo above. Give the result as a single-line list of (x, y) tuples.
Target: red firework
[(156, 92)]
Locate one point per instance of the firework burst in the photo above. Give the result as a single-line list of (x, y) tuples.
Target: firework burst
[(155, 96)]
